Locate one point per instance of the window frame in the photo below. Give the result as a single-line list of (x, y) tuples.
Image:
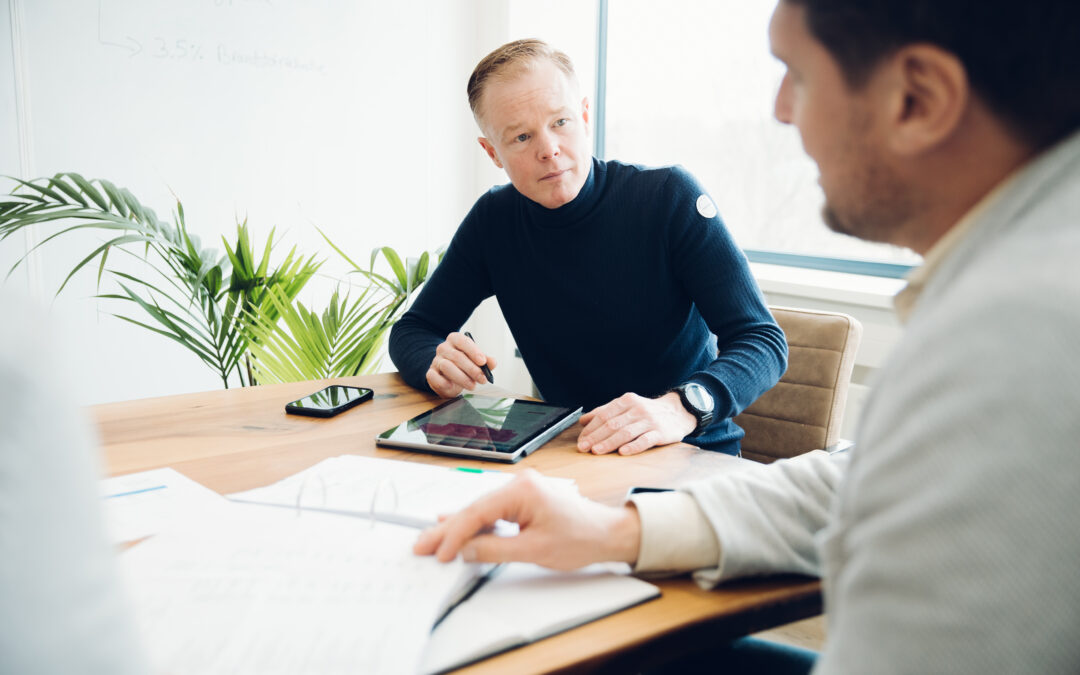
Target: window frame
[(863, 267)]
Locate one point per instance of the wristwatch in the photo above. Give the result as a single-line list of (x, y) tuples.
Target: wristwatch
[(698, 402)]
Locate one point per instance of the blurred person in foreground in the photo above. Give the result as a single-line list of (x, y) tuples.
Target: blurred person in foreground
[(61, 605), (946, 539)]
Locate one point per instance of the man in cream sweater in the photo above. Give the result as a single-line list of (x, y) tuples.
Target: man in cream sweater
[(946, 538)]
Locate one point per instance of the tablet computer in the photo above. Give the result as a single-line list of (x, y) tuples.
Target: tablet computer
[(485, 427)]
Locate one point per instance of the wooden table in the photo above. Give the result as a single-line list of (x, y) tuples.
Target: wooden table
[(239, 439)]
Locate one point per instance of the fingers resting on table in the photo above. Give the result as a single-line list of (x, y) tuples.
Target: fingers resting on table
[(631, 424)]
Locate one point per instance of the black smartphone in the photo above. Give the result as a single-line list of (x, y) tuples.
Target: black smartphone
[(330, 401), (640, 490)]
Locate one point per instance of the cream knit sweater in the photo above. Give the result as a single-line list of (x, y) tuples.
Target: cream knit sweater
[(950, 542)]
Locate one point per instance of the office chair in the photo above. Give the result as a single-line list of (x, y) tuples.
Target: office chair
[(805, 409)]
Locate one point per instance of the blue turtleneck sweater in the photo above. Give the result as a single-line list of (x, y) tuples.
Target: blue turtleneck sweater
[(634, 286)]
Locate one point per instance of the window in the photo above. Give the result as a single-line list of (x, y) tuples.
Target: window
[(692, 82)]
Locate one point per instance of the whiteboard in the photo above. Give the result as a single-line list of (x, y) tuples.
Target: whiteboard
[(345, 115)]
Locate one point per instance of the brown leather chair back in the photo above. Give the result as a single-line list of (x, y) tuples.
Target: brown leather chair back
[(805, 409)]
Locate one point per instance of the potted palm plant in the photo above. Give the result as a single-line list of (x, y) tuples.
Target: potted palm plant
[(235, 311)]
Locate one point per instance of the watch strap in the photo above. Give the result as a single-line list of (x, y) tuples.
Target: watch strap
[(704, 417)]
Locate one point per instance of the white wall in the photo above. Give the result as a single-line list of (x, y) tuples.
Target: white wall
[(350, 116), (11, 249)]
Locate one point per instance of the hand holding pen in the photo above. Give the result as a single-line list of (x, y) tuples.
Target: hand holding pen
[(483, 366), (459, 364)]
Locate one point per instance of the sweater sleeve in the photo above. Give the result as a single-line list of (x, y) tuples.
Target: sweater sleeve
[(459, 283), (763, 520), (751, 348)]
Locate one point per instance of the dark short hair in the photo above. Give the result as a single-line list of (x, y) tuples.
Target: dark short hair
[(1022, 57), (508, 60)]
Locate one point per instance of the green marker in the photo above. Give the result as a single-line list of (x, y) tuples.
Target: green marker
[(468, 470)]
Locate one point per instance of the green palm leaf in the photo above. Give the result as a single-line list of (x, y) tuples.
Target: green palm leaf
[(235, 311), (345, 338), (205, 295)]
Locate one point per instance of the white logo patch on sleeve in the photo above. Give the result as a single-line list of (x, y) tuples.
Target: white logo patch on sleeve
[(706, 207)]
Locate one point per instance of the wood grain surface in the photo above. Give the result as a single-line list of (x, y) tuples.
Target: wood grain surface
[(238, 439)]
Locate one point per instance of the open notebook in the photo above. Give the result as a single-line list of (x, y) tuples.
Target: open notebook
[(262, 591), (525, 603), (330, 584)]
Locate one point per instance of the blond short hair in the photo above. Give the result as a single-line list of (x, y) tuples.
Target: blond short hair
[(510, 59)]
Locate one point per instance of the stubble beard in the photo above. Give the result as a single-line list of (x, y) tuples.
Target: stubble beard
[(877, 204)]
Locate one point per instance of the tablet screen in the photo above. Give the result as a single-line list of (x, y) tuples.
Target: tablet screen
[(479, 423)]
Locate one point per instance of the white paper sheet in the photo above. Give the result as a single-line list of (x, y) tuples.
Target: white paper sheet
[(408, 493), (269, 592), (141, 504)]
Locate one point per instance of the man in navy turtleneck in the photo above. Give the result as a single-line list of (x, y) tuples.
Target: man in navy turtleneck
[(623, 290)]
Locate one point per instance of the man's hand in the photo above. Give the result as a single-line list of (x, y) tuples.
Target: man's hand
[(631, 424), (456, 366), (558, 529)]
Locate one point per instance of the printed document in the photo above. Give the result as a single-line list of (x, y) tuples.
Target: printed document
[(141, 504)]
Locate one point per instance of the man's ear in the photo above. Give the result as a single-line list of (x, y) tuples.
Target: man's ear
[(929, 100), (490, 150), (585, 115)]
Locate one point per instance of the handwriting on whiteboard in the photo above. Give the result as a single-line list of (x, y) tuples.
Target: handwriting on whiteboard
[(147, 30)]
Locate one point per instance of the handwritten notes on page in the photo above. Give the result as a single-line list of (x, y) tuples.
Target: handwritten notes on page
[(269, 592), (407, 493), (141, 504)]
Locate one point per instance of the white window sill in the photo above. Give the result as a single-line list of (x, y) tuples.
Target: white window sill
[(840, 287)]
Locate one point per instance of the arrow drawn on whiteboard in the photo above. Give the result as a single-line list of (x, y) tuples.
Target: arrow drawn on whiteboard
[(133, 46)]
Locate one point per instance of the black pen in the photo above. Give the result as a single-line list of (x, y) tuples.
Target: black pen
[(484, 368), (469, 590)]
